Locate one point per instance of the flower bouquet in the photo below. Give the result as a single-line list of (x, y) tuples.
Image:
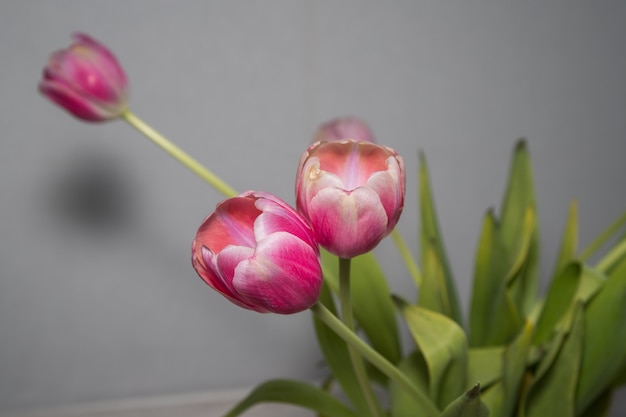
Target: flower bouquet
[(516, 353)]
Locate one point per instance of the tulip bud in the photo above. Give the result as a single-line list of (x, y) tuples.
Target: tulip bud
[(86, 80), (260, 253), (344, 128), (352, 193)]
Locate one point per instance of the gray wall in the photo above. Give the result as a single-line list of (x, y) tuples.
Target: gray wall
[(98, 298)]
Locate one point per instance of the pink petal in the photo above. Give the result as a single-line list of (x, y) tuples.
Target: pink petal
[(211, 274), (284, 276), (278, 216), (75, 103), (389, 185), (231, 223), (348, 224)]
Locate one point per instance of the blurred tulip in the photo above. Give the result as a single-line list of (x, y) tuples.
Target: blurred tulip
[(86, 80), (260, 253), (352, 193), (344, 128)]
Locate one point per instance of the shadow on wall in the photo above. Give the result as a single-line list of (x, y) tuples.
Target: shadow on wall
[(91, 192)]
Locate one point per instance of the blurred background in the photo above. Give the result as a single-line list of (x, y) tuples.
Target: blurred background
[(98, 299)]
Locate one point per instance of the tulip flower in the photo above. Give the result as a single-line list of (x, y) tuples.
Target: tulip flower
[(86, 80), (259, 253), (344, 128), (352, 192)]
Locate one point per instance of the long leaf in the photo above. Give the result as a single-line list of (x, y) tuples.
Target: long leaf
[(402, 403), (485, 365), (433, 293), (600, 407), (430, 234), (467, 405), (497, 306), (575, 283), (519, 196), (444, 348), (373, 307), (293, 393), (492, 321), (604, 352), (554, 391), (569, 241), (515, 359), (501, 398)]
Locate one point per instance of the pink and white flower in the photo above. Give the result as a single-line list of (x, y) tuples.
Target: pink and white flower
[(260, 253), (352, 192), (86, 80)]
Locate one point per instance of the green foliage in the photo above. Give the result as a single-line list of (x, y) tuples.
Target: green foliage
[(293, 393), (520, 355), (438, 291)]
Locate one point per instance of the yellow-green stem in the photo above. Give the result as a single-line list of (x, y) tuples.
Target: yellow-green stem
[(178, 154), (604, 236), (407, 257), (611, 258), (355, 357), (427, 407)]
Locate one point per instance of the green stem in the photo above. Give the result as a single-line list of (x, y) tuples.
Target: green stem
[(178, 154), (428, 408), (407, 257), (348, 320), (604, 236), (611, 258)]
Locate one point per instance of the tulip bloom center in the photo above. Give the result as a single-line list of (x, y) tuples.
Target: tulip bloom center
[(354, 164), (352, 192)]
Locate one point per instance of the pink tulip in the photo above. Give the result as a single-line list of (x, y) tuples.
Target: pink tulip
[(352, 193), (260, 253), (344, 128), (86, 80)]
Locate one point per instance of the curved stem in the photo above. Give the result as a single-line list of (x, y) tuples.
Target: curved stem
[(611, 258), (604, 236), (348, 320), (427, 406), (409, 261), (178, 154)]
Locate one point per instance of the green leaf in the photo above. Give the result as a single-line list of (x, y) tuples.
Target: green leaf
[(444, 348), (519, 197), (560, 378), (604, 353), (485, 365), (433, 293), (502, 397), (293, 393), (430, 235), (575, 283), (515, 358), (337, 358), (467, 405), (373, 307), (569, 242), (493, 398), (600, 407), (493, 318), (403, 404)]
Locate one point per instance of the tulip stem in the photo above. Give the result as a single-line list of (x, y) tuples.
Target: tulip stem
[(355, 357), (409, 261), (178, 154), (603, 237), (379, 361), (613, 257)]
